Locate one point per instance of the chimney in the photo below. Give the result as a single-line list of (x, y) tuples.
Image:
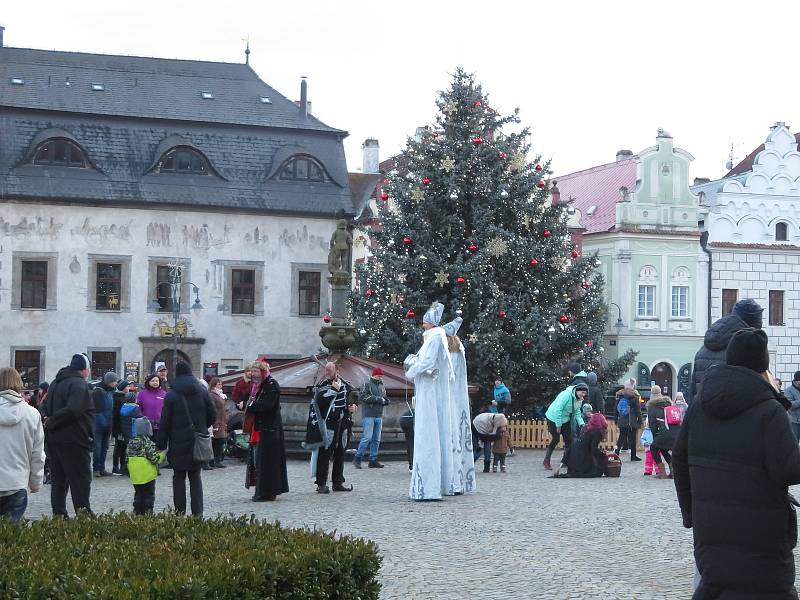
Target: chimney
[(555, 193), (623, 155), (370, 148), (303, 99), (700, 180), (2, 29)]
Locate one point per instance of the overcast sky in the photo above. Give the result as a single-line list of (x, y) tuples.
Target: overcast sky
[(590, 78)]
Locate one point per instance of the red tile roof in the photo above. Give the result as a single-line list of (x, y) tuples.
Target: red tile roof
[(598, 186)]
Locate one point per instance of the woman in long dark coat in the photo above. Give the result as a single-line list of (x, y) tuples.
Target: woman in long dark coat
[(585, 458), (271, 478), (734, 461)]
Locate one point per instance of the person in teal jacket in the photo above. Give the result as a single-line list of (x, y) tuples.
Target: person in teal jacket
[(564, 418)]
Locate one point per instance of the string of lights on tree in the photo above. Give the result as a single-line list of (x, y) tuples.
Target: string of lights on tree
[(465, 219)]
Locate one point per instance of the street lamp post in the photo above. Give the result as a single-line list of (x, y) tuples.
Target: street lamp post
[(175, 283), (619, 325)]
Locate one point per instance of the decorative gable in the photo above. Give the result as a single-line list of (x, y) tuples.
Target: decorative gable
[(776, 169)]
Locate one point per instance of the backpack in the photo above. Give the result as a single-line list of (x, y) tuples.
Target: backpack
[(673, 415), (623, 408)]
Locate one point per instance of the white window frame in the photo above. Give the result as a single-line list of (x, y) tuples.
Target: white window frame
[(652, 301), (675, 310)]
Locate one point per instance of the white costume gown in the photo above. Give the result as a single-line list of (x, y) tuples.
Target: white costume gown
[(464, 471), (432, 372)]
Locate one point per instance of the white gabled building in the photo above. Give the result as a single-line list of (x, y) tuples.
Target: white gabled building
[(752, 222)]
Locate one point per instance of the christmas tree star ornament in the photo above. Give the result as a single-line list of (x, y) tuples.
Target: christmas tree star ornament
[(441, 278), (401, 277), (518, 162), (526, 222), (417, 195), (448, 164), (497, 247), (450, 107), (473, 337)]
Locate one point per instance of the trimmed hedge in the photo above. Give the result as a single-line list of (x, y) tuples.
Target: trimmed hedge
[(168, 557)]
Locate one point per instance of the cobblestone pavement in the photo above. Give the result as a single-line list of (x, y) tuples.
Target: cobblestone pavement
[(521, 535)]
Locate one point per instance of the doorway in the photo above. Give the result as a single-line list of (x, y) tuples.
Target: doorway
[(662, 374)]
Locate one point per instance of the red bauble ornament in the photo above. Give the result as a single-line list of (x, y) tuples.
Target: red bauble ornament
[(589, 344), (410, 314), (426, 181), (546, 233), (526, 344), (434, 134), (564, 319), (585, 284), (540, 184), (477, 140), (384, 196), (534, 262), (369, 292), (502, 314), (327, 318), (472, 248), (575, 254), (407, 240), (460, 280), (477, 104), (538, 168), (503, 155)]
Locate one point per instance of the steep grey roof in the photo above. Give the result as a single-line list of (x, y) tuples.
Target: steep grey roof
[(155, 88), (122, 152)]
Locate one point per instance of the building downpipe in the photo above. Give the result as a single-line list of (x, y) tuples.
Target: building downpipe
[(704, 246)]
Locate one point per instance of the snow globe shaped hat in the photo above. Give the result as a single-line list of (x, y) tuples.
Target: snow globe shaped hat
[(452, 327), (434, 314)]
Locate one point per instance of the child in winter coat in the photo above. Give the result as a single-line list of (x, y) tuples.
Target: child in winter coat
[(500, 448), (143, 461)]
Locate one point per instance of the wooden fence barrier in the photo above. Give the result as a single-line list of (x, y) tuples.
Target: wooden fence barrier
[(534, 434)]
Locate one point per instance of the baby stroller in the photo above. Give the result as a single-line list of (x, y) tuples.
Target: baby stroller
[(238, 441)]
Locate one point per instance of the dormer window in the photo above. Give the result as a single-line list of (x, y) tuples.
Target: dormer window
[(185, 161), (781, 232), (60, 153), (302, 168)]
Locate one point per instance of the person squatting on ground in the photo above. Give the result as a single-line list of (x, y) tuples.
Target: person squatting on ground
[(564, 417), (373, 399), (143, 461), (585, 458), (187, 411), (629, 418), (328, 429), (103, 397), (68, 416), (734, 460), (21, 447), (485, 428), (500, 448)]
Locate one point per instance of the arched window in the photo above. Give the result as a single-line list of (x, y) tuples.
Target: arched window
[(183, 160), (59, 152), (302, 168), (781, 232)]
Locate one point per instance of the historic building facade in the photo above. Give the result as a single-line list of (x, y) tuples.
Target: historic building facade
[(121, 176), (640, 217), (752, 220)]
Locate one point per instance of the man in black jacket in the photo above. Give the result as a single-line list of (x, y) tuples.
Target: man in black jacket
[(334, 398), (733, 463), (68, 415), (746, 313), (596, 398)]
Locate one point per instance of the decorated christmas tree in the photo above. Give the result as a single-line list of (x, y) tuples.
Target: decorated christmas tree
[(466, 220)]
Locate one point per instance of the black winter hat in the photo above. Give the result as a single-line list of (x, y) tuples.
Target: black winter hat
[(582, 386), (574, 367), (748, 348), (123, 384), (80, 362), (796, 376), (749, 311), (182, 369)]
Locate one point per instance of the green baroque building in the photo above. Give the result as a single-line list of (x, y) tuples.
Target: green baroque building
[(641, 218)]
